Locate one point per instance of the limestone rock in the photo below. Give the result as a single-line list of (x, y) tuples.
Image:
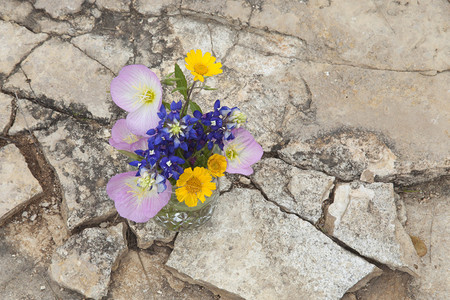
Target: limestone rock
[(364, 217), (345, 155), (113, 54), (224, 183), (114, 5), (17, 184), (130, 279), (149, 232), (156, 7), (17, 83), (59, 8), (48, 25), (428, 211), (298, 191), (84, 263), (15, 10), (15, 43), (31, 116), (374, 34), (249, 238), (5, 110), (74, 82), (229, 9), (83, 162)]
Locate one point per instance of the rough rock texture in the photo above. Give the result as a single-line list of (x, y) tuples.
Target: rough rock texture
[(344, 155), (364, 217), (231, 10), (112, 53), (149, 232), (114, 5), (15, 10), (249, 238), (84, 263), (224, 183), (83, 162), (31, 116), (73, 82), (18, 186), (156, 7), (298, 191), (428, 211), (59, 8), (14, 50), (5, 110), (144, 276)]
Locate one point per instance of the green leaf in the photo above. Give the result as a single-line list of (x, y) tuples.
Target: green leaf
[(208, 88), (182, 90), (182, 83), (131, 155), (166, 105), (167, 82), (194, 106)]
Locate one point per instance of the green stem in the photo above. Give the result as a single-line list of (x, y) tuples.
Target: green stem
[(186, 105)]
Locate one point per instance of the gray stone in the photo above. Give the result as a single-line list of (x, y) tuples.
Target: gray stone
[(59, 8), (83, 162), (229, 9), (85, 262), (47, 25), (297, 191), (367, 33), (364, 217), (31, 116), (149, 232), (345, 155), (428, 211), (156, 7), (224, 183), (5, 110), (15, 43), (114, 5), (73, 81), (131, 279), (249, 238), (112, 53), (14, 10), (18, 185), (83, 23), (17, 83)]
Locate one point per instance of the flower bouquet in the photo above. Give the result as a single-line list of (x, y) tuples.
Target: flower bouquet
[(179, 151)]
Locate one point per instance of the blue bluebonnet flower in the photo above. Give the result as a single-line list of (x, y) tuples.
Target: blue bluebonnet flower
[(171, 166)]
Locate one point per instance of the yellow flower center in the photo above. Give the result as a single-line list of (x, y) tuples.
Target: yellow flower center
[(231, 152), (193, 185), (131, 138), (148, 96), (200, 69)]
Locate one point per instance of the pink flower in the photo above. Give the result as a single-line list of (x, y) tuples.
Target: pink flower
[(242, 152), (123, 139), (139, 198), (138, 90)]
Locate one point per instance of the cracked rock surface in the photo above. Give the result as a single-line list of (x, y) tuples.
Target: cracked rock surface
[(349, 100)]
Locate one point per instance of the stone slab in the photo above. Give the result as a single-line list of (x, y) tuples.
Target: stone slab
[(59, 8), (251, 249), (15, 43), (31, 116), (85, 262), (149, 232), (5, 110), (364, 217), (18, 186), (83, 162), (298, 191), (73, 82), (114, 5)]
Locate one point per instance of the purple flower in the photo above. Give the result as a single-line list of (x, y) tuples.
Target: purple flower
[(242, 152), (138, 90), (139, 198), (123, 139)]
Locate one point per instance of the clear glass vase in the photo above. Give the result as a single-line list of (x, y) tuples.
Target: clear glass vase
[(177, 216)]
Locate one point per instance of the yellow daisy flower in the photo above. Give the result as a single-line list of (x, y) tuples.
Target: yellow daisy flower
[(217, 164), (194, 185), (202, 65)]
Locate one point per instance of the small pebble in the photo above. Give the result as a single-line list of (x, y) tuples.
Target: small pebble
[(42, 287), (244, 180), (33, 217), (25, 214), (103, 225), (45, 204)]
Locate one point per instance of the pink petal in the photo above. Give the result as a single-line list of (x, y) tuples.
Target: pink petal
[(142, 144), (119, 134), (249, 153), (123, 87), (121, 189), (143, 119)]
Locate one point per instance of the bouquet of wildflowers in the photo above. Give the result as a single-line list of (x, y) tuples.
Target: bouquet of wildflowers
[(179, 151)]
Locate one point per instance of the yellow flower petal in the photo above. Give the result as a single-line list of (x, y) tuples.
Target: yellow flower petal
[(201, 65)]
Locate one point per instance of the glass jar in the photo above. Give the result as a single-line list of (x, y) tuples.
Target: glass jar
[(177, 216)]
